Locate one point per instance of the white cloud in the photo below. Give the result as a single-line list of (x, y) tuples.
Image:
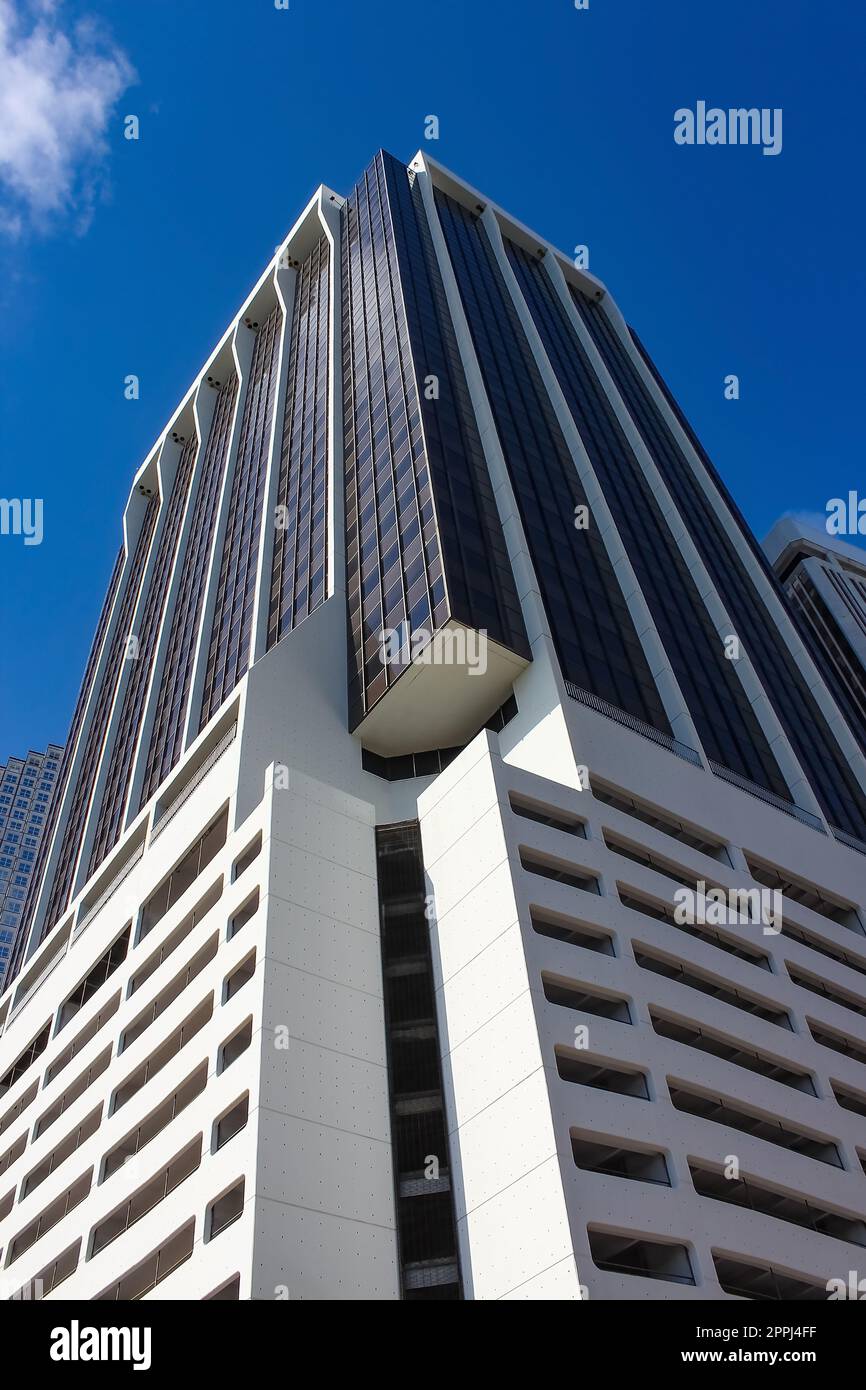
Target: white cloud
[(58, 90)]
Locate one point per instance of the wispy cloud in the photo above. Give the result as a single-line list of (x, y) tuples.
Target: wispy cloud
[(58, 89)]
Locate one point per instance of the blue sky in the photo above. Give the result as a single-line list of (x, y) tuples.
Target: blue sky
[(131, 256)]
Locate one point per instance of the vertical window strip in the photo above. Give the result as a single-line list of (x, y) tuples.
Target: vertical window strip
[(798, 711), (61, 885), (726, 723), (166, 740), (836, 660), (120, 767), (480, 581), (595, 638), (299, 571), (389, 514), (229, 653)]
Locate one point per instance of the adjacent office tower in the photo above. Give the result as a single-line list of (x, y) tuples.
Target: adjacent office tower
[(456, 884), (26, 788), (824, 578)]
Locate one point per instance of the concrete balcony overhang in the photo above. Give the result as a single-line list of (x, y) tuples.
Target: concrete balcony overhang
[(443, 695)]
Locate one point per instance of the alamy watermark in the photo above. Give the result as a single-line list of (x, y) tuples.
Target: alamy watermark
[(460, 646), (846, 516), (854, 1287), (77, 1343), (712, 125), (731, 907), (22, 516)]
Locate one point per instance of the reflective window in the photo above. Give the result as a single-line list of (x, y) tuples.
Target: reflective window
[(596, 642), (717, 702), (420, 511), (109, 825), (832, 780), (230, 640), (299, 575), (168, 725), (61, 884)]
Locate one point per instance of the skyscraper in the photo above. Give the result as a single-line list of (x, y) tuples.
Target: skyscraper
[(26, 788), (824, 578), (456, 885)]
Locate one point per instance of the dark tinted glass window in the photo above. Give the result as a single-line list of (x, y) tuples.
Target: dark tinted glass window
[(231, 630), (61, 885), (820, 756), (109, 825), (299, 573), (715, 696), (596, 642), (171, 707)]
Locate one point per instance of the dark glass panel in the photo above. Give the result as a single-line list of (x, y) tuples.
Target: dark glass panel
[(120, 766), (419, 502), (299, 572), (231, 630), (61, 885), (166, 739), (595, 638), (833, 782), (726, 724)]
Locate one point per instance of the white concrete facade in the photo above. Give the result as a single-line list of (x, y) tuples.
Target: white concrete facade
[(524, 1206)]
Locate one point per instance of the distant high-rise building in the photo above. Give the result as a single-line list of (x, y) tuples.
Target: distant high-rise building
[(26, 790), (824, 578), (456, 885)]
